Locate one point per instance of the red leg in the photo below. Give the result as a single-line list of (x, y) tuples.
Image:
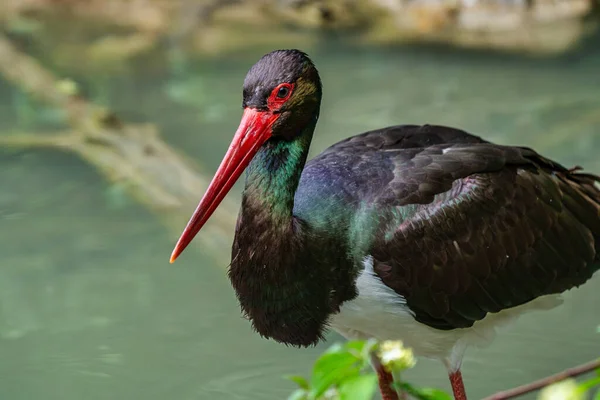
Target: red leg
[(458, 387), (385, 381)]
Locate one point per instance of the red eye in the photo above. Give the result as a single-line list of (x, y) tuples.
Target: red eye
[(280, 95)]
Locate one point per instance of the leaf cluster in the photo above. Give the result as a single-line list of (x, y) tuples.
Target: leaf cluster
[(344, 372)]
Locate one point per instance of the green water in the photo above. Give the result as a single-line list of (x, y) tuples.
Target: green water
[(90, 307)]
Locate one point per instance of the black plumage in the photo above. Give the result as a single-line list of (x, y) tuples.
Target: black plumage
[(455, 227), (494, 227)]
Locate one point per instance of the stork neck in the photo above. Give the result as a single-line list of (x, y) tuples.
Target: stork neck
[(284, 285), (274, 174)]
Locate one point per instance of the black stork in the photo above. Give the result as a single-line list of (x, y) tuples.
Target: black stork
[(426, 234)]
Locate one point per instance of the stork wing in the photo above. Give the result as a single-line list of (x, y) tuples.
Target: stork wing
[(480, 227)]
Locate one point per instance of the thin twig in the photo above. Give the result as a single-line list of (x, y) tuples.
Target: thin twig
[(539, 384)]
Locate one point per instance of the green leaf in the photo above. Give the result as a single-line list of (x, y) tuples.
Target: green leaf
[(356, 345), (361, 387), (423, 393), (332, 368), (298, 394), (434, 394), (362, 350), (299, 380), (584, 386), (597, 396)]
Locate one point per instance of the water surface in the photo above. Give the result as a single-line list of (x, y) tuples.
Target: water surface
[(90, 307)]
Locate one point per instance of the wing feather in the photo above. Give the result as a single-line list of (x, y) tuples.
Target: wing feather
[(494, 226)]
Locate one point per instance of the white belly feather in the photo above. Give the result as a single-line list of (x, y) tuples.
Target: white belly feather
[(379, 312)]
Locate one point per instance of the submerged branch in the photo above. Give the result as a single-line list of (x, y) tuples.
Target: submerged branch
[(547, 381), (157, 175), (32, 140)]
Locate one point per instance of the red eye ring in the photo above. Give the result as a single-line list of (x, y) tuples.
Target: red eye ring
[(280, 94)]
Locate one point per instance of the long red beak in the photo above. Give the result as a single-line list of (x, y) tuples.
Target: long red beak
[(254, 130)]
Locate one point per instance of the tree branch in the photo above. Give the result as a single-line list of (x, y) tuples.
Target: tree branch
[(541, 383)]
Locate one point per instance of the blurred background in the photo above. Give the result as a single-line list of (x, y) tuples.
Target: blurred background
[(115, 113)]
